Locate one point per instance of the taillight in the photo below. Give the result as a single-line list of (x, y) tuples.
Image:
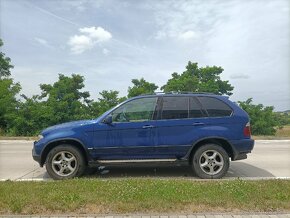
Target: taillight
[(247, 130)]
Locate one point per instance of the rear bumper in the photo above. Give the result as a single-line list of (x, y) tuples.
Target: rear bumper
[(241, 148)]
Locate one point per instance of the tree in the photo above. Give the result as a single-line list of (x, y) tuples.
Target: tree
[(195, 79), (283, 118), (66, 99), (5, 65), (8, 92), (8, 101), (32, 116), (107, 100), (140, 87), (263, 119)]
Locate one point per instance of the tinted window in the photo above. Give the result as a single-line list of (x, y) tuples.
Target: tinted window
[(174, 108), (215, 107), (138, 110), (194, 109)]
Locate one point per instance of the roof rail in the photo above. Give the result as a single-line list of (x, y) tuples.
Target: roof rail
[(184, 92), (158, 93), (208, 93)]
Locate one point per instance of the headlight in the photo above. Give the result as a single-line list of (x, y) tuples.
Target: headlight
[(39, 137)]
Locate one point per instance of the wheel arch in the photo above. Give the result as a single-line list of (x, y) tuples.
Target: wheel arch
[(225, 144), (71, 141)]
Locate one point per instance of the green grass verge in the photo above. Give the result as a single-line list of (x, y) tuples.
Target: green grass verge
[(143, 195)]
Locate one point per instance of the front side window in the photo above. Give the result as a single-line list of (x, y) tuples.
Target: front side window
[(174, 108), (215, 107), (138, 110)]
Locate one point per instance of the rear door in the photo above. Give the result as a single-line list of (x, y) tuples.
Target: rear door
[(180, 120), (222, 123)]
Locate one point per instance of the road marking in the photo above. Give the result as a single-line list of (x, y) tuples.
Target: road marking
[(271, 141)]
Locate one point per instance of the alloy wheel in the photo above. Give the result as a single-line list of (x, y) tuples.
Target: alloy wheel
[(211, 162), (64, 163)]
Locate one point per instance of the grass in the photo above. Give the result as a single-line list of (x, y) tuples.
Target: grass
[(284, 132), (142, 195)]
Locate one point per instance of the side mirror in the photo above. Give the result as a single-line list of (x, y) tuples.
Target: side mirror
[(108, 119)]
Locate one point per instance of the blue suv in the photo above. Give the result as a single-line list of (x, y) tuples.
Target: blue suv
[(198, 129)]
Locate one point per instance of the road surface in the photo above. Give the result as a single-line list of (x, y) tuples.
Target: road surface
[(269, 159)]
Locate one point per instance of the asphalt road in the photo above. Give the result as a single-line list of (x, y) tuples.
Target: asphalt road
[(269, 159)]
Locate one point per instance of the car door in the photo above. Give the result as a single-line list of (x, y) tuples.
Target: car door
[(180, 120), (130, 135), (220, 120)]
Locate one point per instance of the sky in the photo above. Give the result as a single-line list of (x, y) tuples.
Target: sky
[(111, 42)]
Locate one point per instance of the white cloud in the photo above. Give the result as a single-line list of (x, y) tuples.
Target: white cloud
[(41, 41), (188, 35), (89, 38), (181, 20), (79, 6), (80, 43), (98, 34), (160, 35), (106, 51)]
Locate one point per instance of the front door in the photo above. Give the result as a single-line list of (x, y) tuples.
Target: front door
[(131, 134)]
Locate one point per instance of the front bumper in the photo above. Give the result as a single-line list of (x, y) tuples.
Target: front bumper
[(241, 148), (35, 156)]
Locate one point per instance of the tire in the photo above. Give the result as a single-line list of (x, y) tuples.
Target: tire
[(65, 162), (210, 161)]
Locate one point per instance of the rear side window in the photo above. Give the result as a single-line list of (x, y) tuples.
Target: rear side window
[(174, 108), (195, 109), (215, 107)]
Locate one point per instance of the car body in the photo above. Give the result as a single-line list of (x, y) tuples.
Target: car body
[(167, 128)]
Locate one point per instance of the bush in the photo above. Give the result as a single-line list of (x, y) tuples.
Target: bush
[(263, 118)]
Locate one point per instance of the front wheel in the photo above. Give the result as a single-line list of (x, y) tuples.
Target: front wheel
[(210, 161), (65, 162)]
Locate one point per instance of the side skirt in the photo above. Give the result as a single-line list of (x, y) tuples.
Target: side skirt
[(139, 162)]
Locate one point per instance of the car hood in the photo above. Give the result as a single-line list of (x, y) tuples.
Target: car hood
[(68, 125)]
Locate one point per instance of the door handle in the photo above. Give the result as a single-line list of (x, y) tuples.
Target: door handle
[(147, 126), (198, 124)]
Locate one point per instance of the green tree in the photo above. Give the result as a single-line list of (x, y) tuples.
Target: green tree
[(283, 118), (5, 64), (198, 79), (107, 100), (263, 118), (66, 99), (8, 92), (141, 86), (32, 116)]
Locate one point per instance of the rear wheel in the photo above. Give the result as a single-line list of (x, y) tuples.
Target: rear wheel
[(210, 161), (65, 162)]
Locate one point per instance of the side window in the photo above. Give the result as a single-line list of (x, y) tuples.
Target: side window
[(195, 109), (174, 108), (138, 110), (215, 107)]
